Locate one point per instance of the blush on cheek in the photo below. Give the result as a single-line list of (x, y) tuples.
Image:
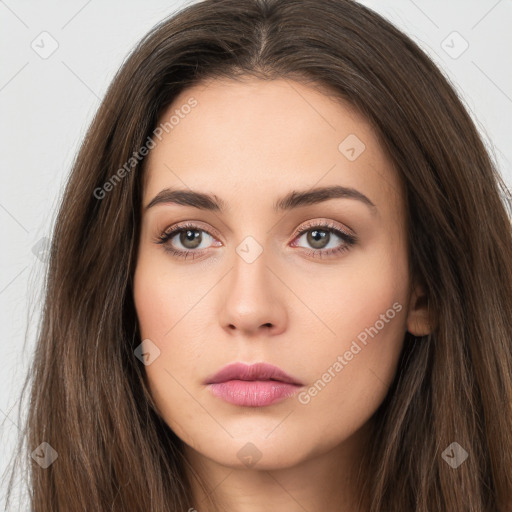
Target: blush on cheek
[(377, 341), (383, 341), (154, 304)]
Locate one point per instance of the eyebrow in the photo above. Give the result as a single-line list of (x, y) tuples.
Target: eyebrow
[(294, 199)]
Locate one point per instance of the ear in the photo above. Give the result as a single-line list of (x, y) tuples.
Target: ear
[(419, 322)]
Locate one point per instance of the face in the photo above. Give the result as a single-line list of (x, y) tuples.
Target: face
[(296, 259)]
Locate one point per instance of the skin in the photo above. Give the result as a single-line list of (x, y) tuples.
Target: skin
[(249, 143)]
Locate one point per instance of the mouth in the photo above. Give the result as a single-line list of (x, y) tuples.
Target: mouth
[(255, 385)]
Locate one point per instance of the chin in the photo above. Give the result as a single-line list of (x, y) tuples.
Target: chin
[(256, 452)]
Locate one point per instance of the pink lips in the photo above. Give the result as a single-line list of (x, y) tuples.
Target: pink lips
[(253, 385)]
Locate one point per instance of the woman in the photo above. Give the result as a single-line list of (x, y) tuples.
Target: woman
[(280, 278)]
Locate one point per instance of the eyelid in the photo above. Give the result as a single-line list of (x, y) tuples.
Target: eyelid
[(192, 224), (325, 223)]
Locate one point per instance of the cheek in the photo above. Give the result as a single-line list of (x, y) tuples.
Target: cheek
[(159, 306), (151, 297), (350, 377), (166, 307), (154, 303), (163, 296), (352, 298), (351, 371)]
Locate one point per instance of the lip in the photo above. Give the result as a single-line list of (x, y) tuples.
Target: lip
[(254, 385)]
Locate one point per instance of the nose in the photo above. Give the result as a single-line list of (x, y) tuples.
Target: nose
[(253, 299)]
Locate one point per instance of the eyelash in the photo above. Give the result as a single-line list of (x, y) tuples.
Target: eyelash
[(348, 239)]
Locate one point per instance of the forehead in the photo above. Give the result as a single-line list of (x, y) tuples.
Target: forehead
[(254, 136)]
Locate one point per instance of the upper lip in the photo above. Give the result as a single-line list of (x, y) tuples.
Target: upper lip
[(257, 371)]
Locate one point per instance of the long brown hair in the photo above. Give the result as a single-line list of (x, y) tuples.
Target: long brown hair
[(88, 398)]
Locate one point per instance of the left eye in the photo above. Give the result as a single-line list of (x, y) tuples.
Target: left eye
[(323, 238), (189, 238)]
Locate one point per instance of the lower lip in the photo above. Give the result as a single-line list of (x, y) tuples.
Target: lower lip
[(253, 393)]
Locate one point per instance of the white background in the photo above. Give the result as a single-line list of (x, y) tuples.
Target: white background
[(47, 104)]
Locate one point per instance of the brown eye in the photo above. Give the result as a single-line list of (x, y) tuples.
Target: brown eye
[(186, 240), (191, 238), (318, 239), (323, 240)]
